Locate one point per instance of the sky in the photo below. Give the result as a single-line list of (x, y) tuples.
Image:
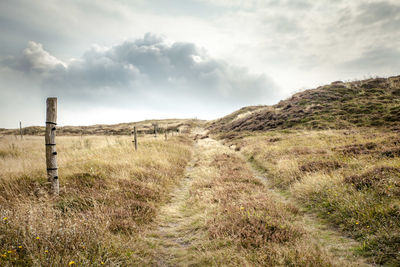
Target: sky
[(123, 61)]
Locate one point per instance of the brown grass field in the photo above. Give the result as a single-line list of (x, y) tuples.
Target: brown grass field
[(179, 203), (109, 193), (349, 178)]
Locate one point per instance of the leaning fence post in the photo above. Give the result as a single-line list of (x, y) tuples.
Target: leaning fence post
[(50, 139), (20, 129), (135, 136)]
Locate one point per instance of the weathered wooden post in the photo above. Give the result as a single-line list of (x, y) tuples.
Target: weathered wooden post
[(165, 134), (20, 129), (50, 139), (135, 136), (155, 130)]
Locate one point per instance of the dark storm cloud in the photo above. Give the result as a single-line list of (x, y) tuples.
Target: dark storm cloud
[(146, 65)]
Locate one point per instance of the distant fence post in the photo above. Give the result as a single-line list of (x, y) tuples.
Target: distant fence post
[(50, 139), (165, 134), (20, 129), (135, 136), (155, 130)]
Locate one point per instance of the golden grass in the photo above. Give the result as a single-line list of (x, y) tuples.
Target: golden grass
[(159, 207), (351, 178), (238, 222), (221, 215), (108, 194)]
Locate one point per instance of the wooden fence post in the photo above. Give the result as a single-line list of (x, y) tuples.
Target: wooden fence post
[(165, 134), (50, 139), (135, 135), (155, 130), (20, 129)]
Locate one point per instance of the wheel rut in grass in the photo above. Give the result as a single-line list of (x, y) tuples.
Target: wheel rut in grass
[(341, 246), (180, 237), (174, 228), (171, 233)]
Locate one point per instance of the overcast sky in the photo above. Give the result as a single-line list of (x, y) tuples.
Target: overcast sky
[(123, 61)]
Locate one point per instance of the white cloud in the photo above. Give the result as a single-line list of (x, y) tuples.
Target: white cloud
[(34, 59), (144, 68), (40, 60)]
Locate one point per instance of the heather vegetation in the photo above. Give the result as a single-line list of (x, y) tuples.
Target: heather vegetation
[(350, 178), (367, 103), (333, 151)]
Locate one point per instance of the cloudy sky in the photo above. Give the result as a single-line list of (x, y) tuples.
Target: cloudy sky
[(122, 61)]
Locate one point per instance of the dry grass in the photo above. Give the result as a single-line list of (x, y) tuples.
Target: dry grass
[(350, 178), (243, 223), (109, 193), (119, 207), (143, 127)]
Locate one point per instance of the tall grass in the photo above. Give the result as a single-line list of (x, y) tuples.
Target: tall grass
[(108, 194), (245, 224), (350, 177)]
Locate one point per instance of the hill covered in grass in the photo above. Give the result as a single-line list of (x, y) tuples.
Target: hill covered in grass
[(339, 105), (146, 127)]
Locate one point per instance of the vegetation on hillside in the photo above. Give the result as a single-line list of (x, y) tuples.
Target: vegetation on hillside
[(372, 102), (350, 178), (143, 127)]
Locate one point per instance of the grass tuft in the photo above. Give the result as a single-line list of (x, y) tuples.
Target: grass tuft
[(108, 194)]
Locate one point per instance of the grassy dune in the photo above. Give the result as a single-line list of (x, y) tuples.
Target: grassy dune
[(366, 103), (350, 178), (109, 193)]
